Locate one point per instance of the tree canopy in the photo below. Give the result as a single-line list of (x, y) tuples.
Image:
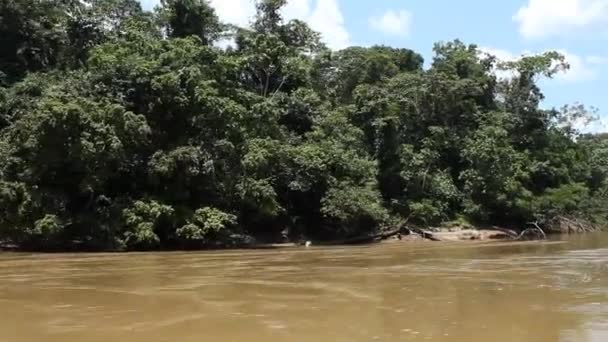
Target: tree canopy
[(127, 129)]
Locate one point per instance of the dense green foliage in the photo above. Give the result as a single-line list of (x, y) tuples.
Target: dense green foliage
[(126, 129)]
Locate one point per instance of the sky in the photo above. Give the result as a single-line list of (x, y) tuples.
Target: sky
[(506, 28)]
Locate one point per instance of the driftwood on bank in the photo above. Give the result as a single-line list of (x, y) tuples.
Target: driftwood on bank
[(494, 233), (509, 232), (425, 234), (559, 224), (535, 230), (568, 225), (363, 239)]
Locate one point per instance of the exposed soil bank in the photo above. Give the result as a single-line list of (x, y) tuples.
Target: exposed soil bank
[(454, 234)]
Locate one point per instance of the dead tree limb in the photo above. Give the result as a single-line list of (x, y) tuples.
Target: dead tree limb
[(536, 228), (425, 234)]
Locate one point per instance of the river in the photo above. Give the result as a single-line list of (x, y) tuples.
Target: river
[(478, 292)]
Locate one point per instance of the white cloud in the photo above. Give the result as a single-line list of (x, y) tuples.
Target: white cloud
[(544, 18), (597, 60), (149, 4), (297, 9), (596, 124), (393, 22), (581, 68), (323, 16), (237, 12), (326, 18), (599, 126), (501, 55)]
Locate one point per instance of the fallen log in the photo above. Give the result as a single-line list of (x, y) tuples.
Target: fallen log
[(363, 239), (425, 234), (506, 231)]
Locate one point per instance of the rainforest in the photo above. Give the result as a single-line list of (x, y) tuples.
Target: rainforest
[(125, 129)]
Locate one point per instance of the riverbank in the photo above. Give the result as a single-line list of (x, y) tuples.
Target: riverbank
[(449, 233), (463, 235), (452, 234)]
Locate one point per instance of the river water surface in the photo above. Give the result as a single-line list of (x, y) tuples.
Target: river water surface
[(528, 292)]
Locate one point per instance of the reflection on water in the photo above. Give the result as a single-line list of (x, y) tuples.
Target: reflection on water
[(536, 292)]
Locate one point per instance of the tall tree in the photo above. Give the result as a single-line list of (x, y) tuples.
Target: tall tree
[(32, 36), (185, 18)]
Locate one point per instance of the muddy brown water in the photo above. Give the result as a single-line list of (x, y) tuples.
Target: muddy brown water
[(536, 292)]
